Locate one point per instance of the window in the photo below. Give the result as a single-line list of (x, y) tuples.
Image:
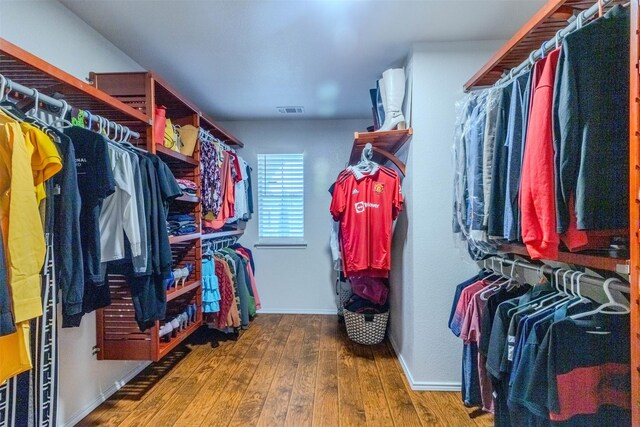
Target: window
[(281, 198)]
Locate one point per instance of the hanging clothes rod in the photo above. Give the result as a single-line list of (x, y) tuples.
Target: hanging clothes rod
[(585, 279), (549, 45), (57, 103)]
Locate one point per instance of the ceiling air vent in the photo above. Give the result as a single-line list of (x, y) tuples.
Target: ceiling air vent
[(290, 110)]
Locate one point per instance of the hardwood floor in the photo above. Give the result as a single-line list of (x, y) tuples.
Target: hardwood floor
[(285, 370)]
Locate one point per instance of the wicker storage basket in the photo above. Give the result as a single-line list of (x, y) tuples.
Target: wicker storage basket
[(366, 328)]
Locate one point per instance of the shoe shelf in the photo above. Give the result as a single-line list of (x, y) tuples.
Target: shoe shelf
[(166, 347), (174, 293), (385, 145)]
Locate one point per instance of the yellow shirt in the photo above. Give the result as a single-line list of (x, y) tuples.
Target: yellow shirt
[(45, 160), (25, 246), (15, 354)]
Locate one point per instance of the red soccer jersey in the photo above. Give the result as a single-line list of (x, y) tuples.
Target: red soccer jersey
[(366, 207)]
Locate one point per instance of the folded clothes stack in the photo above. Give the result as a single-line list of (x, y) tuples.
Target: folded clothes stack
[(188, 187), (180, 224)]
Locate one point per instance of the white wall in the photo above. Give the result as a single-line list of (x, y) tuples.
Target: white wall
[(431, 263), (52, 32), (299, 280), (49, 30)]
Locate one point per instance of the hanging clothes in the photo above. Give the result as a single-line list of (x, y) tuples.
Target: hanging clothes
[(541, 366), (594, 76), (366, 204), (29, 158), (515, 142), (537, 196), (227, 195), (564, 188)]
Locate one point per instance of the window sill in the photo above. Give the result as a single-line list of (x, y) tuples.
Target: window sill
[(280, 245)]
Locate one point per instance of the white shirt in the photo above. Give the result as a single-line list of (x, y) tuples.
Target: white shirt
[(119, 213)]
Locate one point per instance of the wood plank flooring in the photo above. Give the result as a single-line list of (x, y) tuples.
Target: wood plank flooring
[(285, 370)]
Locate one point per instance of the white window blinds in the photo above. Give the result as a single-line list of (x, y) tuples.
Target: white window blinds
[(281, 196)]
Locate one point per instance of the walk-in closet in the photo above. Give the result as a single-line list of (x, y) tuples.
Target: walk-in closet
[(319, 213)]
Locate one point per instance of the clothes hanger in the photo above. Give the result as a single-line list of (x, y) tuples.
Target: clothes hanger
[(512, 283), (491, 287), (580, 298), (558, 38), (366, 164), (8, 108), (542, 302), (60, 121), (532, 303), (611, 303)]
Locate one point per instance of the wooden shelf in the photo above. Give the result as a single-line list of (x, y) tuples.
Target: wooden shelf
[(600, 262), (27, 69), (166, 347), (185, 238), (385, 145), (222, 234), (174, 293), (174, 155), (188, 199), (540, 28)]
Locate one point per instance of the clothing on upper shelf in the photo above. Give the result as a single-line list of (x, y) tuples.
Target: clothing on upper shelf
[(188, 187), (543, 158), (535, 364), (180, 224)]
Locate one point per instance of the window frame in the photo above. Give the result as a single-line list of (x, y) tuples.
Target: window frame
[(292, 242)]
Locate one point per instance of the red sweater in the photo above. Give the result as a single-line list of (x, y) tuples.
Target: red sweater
[(537, 185)]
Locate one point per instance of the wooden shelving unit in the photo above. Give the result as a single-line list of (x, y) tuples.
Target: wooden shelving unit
[(143, 91), (540, 28), (385, 146)]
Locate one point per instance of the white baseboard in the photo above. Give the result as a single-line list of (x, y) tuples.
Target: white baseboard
[(298, 311), (422, 385), (78, 416)]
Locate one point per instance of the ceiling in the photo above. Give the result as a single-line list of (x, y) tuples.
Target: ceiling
[(240, 59)]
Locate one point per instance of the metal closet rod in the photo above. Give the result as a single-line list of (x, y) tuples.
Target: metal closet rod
[(551, 44), (32, 93), (584, 280)]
